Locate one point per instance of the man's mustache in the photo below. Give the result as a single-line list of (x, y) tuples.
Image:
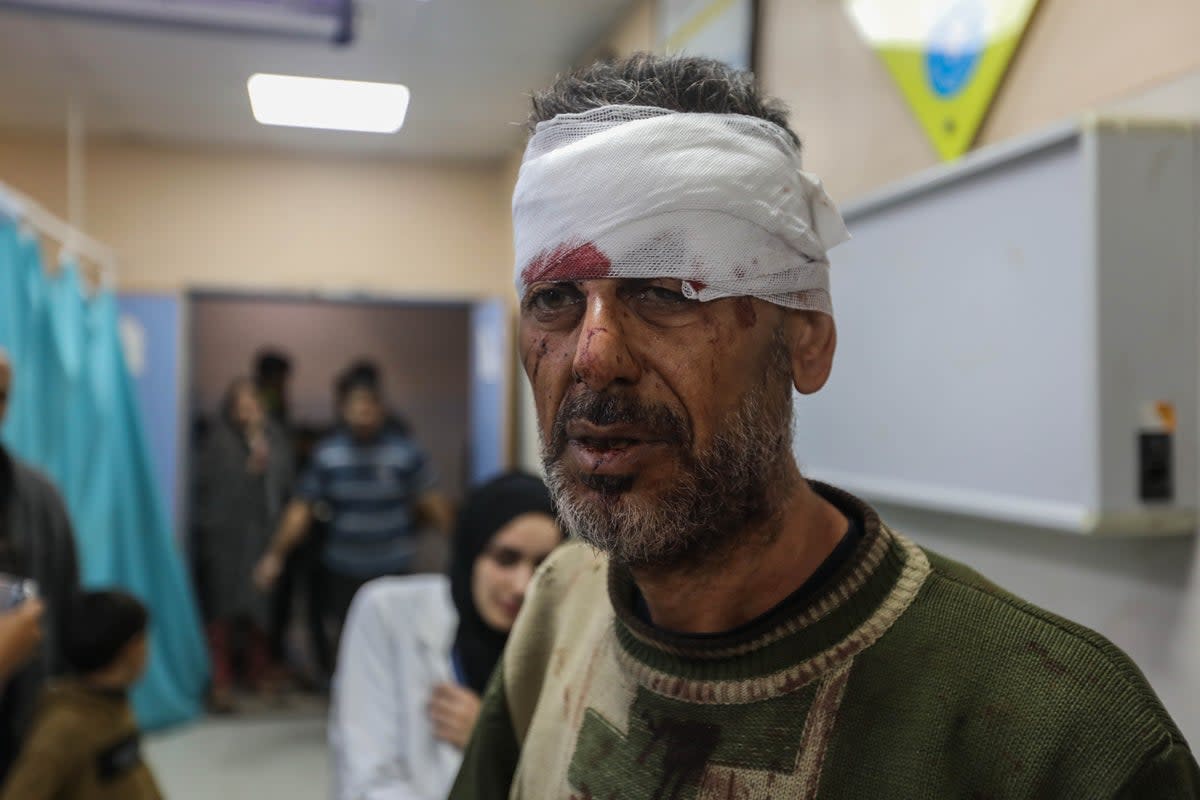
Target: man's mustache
[(653, 421)]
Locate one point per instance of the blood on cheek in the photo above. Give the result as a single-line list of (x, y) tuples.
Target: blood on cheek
[(747, 316), (587, 357), (537, 353)]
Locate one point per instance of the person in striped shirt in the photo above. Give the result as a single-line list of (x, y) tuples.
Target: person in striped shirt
[(371, 485)]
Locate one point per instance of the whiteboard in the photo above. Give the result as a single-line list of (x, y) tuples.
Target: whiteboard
[(965, 373)]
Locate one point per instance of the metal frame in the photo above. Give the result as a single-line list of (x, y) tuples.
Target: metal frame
[(198, 19)]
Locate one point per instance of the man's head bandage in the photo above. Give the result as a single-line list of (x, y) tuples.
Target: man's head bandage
[(718, 201)]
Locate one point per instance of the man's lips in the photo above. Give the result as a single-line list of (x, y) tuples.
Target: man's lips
[(609, 437), (610, 449)]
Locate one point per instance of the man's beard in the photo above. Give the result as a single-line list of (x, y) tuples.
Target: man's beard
[(730, 488)]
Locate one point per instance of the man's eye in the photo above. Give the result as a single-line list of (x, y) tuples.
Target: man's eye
[(550, 299), (662, 295)]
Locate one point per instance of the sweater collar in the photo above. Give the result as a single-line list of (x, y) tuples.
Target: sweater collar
[(779, 652)]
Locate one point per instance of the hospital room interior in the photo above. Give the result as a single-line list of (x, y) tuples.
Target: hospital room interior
[(290, 485)]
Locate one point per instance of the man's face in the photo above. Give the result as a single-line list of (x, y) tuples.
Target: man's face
[(5, 385), (363, 413), (274, 383), (665, 422)]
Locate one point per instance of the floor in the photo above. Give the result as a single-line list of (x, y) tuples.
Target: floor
[(276, 753)]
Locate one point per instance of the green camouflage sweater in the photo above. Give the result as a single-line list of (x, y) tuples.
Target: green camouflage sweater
[(905, 675)]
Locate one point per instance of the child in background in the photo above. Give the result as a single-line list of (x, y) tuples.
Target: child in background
[(85, 743)]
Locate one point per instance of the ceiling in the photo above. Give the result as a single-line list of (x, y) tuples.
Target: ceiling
[(469, 64)]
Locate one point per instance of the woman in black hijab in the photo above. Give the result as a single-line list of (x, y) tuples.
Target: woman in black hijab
[(417, 651), (486, 579)]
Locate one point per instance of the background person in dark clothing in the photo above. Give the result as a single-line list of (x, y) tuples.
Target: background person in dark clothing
[(244, 479), (273, 376), (370, 483), (272, 372), (36, 542)]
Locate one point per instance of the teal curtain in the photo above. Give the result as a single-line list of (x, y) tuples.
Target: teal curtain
[(22, 299), (74, 414)]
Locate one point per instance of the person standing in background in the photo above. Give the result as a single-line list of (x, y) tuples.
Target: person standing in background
[(36, 541), (272, 377), (244, 480), (272, 373), (371, 484)]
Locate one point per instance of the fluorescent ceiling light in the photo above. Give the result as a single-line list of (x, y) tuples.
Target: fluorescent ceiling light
[(329, 104)]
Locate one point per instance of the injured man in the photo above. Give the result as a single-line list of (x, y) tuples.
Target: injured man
[(724, 627)]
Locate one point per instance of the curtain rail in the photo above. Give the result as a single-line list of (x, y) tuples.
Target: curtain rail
[(73, 241)]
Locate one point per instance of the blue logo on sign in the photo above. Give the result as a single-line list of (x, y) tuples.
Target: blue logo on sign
[(956, 44)]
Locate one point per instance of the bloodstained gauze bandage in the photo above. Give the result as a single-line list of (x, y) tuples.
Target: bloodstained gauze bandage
[(718, 201)]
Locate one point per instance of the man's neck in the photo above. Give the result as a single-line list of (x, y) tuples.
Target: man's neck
[(752, 578), (366, 439)]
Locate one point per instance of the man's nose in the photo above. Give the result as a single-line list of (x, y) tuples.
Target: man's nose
[(603, 357)]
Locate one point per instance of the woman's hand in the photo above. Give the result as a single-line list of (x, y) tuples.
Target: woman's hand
[(453, 711), (267, 571), (260, 451)]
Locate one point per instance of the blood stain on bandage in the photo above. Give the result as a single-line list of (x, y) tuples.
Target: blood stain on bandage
[(568, 262)]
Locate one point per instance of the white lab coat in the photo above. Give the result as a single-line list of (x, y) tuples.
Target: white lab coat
[(396, 646)]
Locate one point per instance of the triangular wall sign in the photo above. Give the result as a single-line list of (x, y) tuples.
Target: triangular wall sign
[(947, 56)]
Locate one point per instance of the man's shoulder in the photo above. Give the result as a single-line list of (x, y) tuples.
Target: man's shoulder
[(335, 440), (401, 450), (30, 481), (566, 612), (568, 564), (996, 613), (1022, 648), (573, 580), (570, 585)]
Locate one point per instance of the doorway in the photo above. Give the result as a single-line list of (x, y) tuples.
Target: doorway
[(423, 351)]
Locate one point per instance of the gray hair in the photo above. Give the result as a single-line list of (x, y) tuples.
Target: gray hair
[(679, 83)]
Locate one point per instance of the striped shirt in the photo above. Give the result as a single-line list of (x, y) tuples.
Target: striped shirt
[(371, 490)]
